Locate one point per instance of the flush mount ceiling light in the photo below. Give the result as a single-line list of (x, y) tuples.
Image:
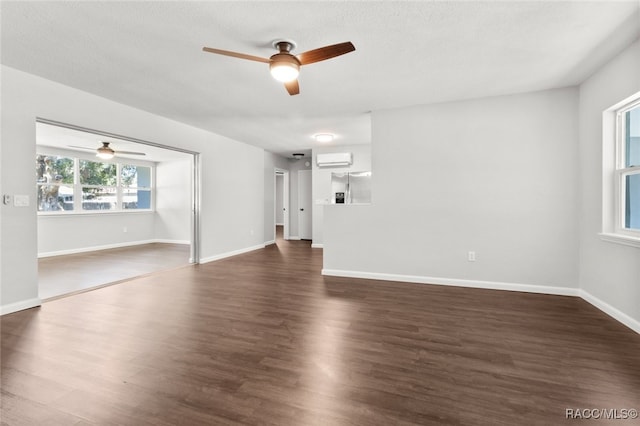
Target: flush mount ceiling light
[(297, 155), (323, 137)]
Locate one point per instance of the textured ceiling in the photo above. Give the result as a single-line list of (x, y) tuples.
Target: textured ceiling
[(149, 55)]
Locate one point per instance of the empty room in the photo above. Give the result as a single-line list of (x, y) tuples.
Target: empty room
[(386, 213)]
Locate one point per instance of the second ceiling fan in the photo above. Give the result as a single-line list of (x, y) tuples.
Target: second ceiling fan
[(284, 65)]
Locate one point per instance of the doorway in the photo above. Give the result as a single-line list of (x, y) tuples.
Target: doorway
[(281, 213), (151, 196), (304, 205)]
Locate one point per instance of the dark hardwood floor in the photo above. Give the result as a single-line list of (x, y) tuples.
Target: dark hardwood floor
[(264, 339)]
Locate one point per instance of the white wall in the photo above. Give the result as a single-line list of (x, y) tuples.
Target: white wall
[(173, 201), (67, 234), (232, 215), (609, 272), (497, 176), (322, 182)]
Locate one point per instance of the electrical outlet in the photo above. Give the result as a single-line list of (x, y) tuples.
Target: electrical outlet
[(471, 256)]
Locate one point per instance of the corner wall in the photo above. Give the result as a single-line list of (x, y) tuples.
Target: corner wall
[(609, 272), (496, 176), (173, 201)]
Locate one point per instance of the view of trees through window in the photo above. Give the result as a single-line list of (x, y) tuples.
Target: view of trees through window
[(55, 178), (99, 182), (62, 182), (631, 169)]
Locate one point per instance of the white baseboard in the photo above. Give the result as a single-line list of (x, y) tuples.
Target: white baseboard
[(110, 246), (616, 314), (166, 241), (231, 253), (20, 306), (611, 311), (268, 243), (492, 285), (313, 245), (294, 237), (279, 224)]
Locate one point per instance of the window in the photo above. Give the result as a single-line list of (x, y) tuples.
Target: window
[(77, 185), (621, 194), (629, 166), (54, 176), (136, 187), (99, 185)]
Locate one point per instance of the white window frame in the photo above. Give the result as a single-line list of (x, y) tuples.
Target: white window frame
[(77, 186), (614, 174)]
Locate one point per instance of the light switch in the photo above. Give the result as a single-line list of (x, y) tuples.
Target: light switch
[(21, 201)]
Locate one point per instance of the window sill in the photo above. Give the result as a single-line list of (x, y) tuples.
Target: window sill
[(626, 240), (93, 213)]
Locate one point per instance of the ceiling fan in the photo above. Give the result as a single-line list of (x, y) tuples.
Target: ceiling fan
[(285, 66), (106, 152)]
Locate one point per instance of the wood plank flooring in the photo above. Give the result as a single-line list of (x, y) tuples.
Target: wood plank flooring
[(60, 275), (264, 339)]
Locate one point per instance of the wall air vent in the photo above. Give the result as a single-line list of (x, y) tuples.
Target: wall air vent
[(334, 159)]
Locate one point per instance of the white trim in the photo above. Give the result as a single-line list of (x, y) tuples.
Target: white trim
[(169, 241), (314, 245), (268, 243), (627, 240), (611, 311), (279, 224), (20, 306), (294, 237), (616, 314), (109, 246), (493, 285), (231, 253)]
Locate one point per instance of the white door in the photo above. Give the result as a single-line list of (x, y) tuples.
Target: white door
[(304, 204)]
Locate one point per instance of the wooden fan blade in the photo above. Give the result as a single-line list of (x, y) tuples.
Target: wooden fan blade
[(292, 87), (235, 54), (326, 52), (130, 152)]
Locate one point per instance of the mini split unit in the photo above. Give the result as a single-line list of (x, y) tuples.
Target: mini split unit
[(334, 159)]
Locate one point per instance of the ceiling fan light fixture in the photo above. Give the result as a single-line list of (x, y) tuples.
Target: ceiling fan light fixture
[(323, 137), (284, 67), (105, 152)]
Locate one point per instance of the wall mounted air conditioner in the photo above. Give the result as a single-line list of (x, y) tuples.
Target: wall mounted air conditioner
[(334, 159)]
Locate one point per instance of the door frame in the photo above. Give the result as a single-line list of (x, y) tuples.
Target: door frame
[(285, 201)]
